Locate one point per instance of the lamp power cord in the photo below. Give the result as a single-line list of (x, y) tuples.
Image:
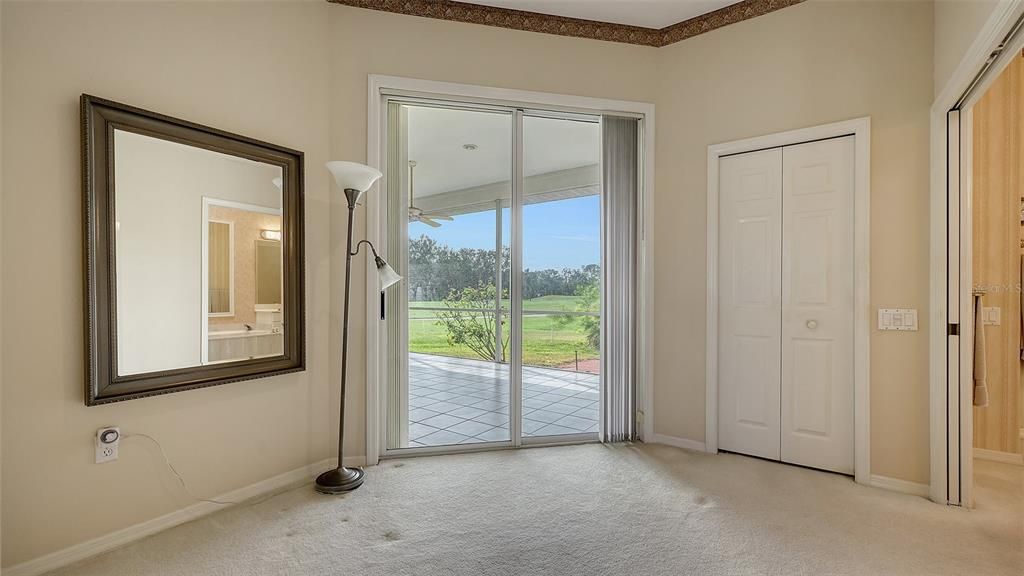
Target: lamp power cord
[(181, 480)]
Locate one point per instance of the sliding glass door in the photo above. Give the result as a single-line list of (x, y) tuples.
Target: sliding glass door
[(456, 177), (495, 222), (561, 275)]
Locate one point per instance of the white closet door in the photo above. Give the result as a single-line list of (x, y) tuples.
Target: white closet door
[(817, 305), (749, 292)]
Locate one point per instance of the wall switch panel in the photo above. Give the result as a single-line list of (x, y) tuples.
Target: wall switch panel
[(107, 442), (992, 316), (902, 319)]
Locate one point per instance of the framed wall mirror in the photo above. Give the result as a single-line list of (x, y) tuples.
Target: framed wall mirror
[(193, 254)]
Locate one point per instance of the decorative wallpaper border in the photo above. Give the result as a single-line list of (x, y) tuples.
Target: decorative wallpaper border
[(722, 17), (576, 27)]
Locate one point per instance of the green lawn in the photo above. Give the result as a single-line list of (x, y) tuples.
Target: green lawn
[(547, 340)]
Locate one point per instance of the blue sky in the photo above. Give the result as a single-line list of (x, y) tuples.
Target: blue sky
[(562, 234)]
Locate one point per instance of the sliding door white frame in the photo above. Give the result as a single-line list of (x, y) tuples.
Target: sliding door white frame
[(515, 412), (376, 336), (860, 129)]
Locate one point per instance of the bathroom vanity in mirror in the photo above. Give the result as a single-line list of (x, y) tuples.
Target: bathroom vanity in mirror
[(194, 256)]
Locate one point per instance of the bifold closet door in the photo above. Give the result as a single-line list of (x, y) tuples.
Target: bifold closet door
[(817, 304), (750, 293)]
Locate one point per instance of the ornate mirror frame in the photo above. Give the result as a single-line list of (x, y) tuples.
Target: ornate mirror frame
[(99, 118)]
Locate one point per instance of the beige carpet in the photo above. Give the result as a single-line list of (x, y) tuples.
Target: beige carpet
[(588, 510)]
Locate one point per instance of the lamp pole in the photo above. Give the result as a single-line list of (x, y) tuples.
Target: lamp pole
[(343, 479), (354, 179)]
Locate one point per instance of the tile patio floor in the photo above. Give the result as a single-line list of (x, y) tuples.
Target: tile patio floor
[(458, 401)]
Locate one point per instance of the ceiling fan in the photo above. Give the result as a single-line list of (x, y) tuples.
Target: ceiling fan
[(416, 214)]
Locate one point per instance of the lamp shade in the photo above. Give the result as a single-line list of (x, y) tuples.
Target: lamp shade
[(352, 175), (387, 275)]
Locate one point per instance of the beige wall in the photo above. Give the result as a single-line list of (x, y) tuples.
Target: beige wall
[(957, 23), (810, 64), (295, 74), (258, 69)]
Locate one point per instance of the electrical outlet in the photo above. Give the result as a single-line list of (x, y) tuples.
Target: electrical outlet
[(108, 440)]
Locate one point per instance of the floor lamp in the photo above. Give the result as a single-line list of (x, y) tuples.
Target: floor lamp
[(354, 179)]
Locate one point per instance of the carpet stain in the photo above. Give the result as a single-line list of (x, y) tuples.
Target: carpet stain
[(398, 464), (701, 500), (391, 536), (290, 533)]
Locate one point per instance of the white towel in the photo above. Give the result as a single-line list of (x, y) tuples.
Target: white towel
[(980, 367)]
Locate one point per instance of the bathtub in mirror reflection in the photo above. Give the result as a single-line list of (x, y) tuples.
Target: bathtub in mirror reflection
[(199, 258)]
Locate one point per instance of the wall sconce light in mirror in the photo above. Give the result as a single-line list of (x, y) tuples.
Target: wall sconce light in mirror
[(270, 234)]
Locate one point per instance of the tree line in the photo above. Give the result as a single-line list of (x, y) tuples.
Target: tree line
[(436, 271)]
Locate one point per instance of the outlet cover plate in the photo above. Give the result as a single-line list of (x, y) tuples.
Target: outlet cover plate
[(108, 440)]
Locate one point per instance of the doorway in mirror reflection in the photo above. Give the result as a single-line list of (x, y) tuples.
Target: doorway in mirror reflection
[(243, 281)]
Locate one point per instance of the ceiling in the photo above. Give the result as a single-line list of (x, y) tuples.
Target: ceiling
[(646, 13), (436, 137)]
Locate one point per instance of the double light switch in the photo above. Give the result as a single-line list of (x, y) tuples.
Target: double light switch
[(897, 319)]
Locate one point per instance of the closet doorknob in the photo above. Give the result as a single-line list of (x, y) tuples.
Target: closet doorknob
[(812, 324)]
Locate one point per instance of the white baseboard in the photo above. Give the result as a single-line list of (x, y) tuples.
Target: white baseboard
[(997, 456), (897, 485), (141, 530), (678, 442)]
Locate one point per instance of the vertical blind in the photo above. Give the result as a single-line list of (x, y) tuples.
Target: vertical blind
[(395, 303), (620, 182)]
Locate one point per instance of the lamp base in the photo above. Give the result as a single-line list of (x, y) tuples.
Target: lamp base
[(339, 480)]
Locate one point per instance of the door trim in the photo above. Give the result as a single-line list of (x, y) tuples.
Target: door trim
[(376, 335), (860, 129), (951, 435)]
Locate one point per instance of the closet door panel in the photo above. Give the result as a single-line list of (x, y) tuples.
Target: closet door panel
[(817, 399), (750, 228)]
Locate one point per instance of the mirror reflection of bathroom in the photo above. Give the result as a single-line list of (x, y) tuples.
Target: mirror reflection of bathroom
[(198, 253), (243, 281)]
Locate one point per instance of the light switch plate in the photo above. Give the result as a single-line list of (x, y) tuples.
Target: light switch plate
[(993, 316), (901, 319)]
